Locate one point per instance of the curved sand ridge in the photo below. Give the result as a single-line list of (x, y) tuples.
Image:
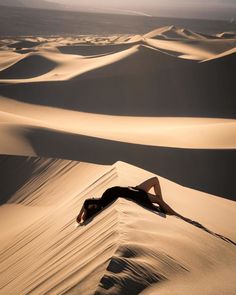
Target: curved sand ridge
[(172, 132), (30, 66), (69, 66), (196, 50), (228, 57), (27, 43), (126, 248), (226, 35), (86, 50), (172, 32), (131, 60)]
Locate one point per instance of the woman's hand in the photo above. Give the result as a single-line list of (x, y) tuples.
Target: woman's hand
[(82, 216), (78, 219)]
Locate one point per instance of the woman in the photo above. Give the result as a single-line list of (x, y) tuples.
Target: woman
[(138, 194)]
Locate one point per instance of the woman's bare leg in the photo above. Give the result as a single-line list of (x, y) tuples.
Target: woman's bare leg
[(157, 198), (167, 209), (163, 205), (149, 183)]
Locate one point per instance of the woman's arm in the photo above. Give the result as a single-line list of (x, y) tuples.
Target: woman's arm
[(82, 215)]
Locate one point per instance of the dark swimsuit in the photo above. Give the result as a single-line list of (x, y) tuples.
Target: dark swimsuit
[(135, 194)]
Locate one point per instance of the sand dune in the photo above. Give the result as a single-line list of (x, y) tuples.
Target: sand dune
[(172, 131), (24, 44), (226, 57), (68, 66), (88, 50), (187, 44), (113, 253), (197, 49), (8, 58), (28, 67), (226, 35), (172, 32), (80, 114)]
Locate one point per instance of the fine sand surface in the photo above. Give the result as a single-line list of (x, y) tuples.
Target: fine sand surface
[(81, 114)]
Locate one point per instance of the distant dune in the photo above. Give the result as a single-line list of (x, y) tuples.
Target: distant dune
[(79, 114)]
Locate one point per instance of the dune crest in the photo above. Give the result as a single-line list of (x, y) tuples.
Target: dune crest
[(172, 32)]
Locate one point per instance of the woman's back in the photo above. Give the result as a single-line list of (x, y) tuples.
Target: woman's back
[(138, 195), (133, 193)]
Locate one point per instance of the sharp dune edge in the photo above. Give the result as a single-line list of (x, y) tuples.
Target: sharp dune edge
[(127, 95)]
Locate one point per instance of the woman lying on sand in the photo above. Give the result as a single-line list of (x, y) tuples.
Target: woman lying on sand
[(138, 194)]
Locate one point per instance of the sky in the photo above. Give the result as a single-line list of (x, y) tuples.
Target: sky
[(221, 9)]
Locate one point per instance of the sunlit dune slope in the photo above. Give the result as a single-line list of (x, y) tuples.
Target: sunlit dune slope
[(153, 131), (126, 248), (173, 32)]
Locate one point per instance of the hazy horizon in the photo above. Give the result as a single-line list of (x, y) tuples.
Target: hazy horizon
[(172, 8)]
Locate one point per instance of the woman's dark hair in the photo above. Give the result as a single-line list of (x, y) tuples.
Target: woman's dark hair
[(92, 211)]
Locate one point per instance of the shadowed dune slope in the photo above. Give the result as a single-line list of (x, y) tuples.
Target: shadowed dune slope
[(200, 49), (226, 35), (126, 248), (24, 44), (137, 85), (228, 58), (28, 67), (177, 132), (89, 50)]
